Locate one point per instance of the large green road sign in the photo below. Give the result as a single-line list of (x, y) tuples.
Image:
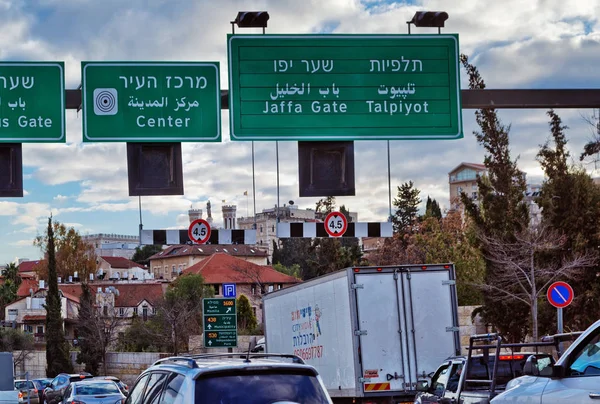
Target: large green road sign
[(220, 322), (344, 87), (151, 102), (32, 102)]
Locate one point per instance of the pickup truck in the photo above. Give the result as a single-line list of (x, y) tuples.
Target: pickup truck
[(574, 378), (476, 378)]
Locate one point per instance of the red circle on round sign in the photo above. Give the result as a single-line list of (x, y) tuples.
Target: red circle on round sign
[(555, 288), (336, 224), (199, 231)]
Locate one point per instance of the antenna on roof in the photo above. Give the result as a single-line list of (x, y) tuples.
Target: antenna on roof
[(247, 360)]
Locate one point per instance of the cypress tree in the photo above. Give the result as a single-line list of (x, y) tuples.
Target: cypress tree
[(57, 348), (87, 324)]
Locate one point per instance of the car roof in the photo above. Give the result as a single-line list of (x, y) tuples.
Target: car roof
[(493, 355), (92, 381), (197, 365)]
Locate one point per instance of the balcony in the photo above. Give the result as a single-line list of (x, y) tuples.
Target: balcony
[(39, 338)]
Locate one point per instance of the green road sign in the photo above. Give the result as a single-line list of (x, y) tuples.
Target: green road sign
[(219, 339), (344, 87), (151, 102), (219, 306), (32, 102), (220, 322)]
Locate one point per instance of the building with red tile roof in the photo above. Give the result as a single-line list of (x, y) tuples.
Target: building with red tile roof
[(29, 267), (172, 261), (251, 279)]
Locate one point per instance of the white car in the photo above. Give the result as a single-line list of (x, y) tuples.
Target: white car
[(575, 378)]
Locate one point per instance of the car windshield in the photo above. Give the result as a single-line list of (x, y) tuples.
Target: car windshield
[(259, 388), (23, 385), (96, 389)]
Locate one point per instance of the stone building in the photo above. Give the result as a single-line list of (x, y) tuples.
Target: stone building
[(172, 261), (252, 280)]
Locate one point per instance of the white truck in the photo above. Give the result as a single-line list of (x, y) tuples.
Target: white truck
[(371, 332), (574, 378)]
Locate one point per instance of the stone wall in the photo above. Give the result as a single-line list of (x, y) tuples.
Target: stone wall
[(125, 365), (469, 327)]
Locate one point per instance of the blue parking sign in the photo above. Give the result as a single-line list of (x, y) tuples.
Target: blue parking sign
[(229, 290)]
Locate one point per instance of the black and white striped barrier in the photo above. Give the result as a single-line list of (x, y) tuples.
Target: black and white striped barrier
[(217, 236), (313, 230)]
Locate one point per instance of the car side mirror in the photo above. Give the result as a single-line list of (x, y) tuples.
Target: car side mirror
[(422, 385), (531, 366)]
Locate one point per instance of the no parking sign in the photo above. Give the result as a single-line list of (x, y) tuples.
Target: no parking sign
[(560, 294)]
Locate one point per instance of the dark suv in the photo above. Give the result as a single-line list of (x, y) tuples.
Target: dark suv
[(53, 394), (229, 378)]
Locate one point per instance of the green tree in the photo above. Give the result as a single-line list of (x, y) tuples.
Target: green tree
[(452, 240), (293, 270), (57, 348), (407, 206), (90, 352), (8, 290), (330, 256), (246, 320), (432, 209), (501, 211), (140, 336), (12, 340), (570, 203), (295, 251), (325, 206), (72, 253), (142, 254), (179, 315)]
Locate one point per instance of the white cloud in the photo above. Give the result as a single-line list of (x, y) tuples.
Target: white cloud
[(514, 44)]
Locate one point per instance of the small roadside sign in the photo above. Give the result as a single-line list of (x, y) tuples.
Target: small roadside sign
[(229, 290), (199, 231), (336, 224), (560, 294), (220, 322)]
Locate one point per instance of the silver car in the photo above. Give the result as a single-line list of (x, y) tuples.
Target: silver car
[(93, 391), (229, 378)]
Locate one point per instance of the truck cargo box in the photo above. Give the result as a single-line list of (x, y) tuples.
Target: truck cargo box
[(370, 331)]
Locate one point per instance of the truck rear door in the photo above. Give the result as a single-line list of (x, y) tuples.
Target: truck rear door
[(405, 324)]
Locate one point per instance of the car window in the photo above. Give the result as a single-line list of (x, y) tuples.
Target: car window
[(259, 387), (54, 383), (20, 385), (439, 380), (154, 388), (68, 392), (62, 380), (586, 360), (172, 389), (94, 389), (454, 378), (137, 393)]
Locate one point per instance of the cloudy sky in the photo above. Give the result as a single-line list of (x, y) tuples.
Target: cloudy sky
[(515, 44)]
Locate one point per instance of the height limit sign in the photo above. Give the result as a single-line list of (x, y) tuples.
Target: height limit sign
[(336, 224), (220, 323)]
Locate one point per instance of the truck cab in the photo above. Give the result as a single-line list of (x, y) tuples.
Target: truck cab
[(575, 378)]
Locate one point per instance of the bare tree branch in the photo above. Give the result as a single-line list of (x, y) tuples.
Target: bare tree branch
[(525, 267)]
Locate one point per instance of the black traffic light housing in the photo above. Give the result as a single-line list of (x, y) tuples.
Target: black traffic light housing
[(11, 170), (251, 19), (429, 19)]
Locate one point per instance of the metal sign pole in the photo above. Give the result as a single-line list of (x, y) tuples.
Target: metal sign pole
[(559, 321)]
